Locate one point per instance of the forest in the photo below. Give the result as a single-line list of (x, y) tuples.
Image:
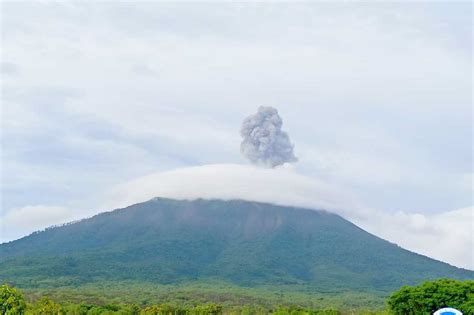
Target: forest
[(422, 299)]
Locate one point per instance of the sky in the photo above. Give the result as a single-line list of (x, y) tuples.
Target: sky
[(104, 103)]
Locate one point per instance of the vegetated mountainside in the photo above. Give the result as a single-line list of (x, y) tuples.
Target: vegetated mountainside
[(244, 243)]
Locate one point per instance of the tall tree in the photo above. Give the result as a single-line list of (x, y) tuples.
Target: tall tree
[(433, 295), (11, 301)]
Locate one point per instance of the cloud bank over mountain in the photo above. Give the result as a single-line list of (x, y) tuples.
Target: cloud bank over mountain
[(446, 236)]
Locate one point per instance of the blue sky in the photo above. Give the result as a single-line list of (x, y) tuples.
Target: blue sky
[(376, 98)]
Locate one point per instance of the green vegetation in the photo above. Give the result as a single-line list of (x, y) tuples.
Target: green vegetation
[(220, 257), (11, 301), (45, 305), (229, 296), (246, 244), (417, 300), (431, 296)]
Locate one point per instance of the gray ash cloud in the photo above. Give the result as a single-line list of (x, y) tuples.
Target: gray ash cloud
[(264, 142)]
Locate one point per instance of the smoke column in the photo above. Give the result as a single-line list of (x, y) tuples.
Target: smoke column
[(264, 143)]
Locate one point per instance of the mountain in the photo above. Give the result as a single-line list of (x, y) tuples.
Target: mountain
[(244, 243)]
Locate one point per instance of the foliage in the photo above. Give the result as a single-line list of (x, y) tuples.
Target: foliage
[(212, 309), (46, 306), (296, 310), (193, 293), (419, 300), (11, 300), (433, 295)]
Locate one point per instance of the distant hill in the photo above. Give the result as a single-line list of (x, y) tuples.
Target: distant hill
[(240, 242)]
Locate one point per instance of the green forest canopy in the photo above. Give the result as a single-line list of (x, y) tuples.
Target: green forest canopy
[(423, 299)]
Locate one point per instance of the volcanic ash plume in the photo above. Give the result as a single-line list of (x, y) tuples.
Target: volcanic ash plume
[(264, 143)]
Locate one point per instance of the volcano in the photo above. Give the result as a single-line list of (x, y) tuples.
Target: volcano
[(241, 242)]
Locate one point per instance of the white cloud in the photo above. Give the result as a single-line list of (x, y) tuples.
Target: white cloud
[(22, 221), (230, 181), (446, 236)]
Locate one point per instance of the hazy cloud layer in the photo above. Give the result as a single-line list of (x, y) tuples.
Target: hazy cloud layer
[(22, 221), (264, 142)]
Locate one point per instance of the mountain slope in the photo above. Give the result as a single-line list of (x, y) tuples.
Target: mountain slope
[(246, 243)]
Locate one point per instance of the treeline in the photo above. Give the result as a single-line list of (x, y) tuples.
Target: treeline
[(12, 302), (423, 299)]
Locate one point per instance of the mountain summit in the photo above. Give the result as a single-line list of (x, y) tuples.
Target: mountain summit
[(240, 242)]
